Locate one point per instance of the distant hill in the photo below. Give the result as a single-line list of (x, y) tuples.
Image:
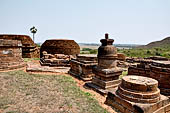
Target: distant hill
[(162, 43)]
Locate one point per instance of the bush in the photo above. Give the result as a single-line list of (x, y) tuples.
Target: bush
[(86, 49), (93, 51)]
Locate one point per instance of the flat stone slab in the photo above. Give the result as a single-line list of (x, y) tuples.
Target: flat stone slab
[(80, 77), (35, 67), (99, 89)]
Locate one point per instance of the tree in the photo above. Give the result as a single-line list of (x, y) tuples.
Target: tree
[(33, 30)]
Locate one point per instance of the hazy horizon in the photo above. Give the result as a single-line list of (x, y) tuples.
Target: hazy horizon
[(127, 22)]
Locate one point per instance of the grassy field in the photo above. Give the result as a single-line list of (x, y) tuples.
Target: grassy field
[(21, 92)]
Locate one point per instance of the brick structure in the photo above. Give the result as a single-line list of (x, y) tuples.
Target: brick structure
[(58, 52), (106, 72), (55, 60), (137, 94), (159, 70), (10, 54), (60, 46), (29, 49), (82, 66)]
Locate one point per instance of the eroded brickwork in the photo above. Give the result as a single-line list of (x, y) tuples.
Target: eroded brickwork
[(60, 46), (29, 49), (10, 54), (159, 70), (137, 94), (82, 66), (55, 60)]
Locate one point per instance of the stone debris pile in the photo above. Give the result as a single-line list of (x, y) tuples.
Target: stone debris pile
[(54, 60), (58, 52)]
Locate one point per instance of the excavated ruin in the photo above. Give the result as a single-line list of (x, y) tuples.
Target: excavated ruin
[(10, 54), (137, 94), (58, 52), (82, 65), (29, 48)]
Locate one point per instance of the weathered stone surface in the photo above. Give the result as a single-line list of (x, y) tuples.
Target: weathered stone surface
[(82, 66), (36, 67), (138, 94), (106, 72), (29, 49), (60, 46), (10, 54), (159, 70), (54, 60)]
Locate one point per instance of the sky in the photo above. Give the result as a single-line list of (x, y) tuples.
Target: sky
[(86, 21)]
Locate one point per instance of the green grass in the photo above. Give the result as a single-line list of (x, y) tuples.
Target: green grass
[(30, 59), (124, 73), (21, 92)]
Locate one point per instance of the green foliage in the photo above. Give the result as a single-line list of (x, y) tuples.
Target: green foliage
[(38, 45), (93, 51), (124, 73), (86, 49), (158, 51)]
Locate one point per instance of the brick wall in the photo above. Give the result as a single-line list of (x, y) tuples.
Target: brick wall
[(29, 49), (10, 54)]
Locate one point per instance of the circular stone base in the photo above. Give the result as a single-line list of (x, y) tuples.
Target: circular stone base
[(139, 89)]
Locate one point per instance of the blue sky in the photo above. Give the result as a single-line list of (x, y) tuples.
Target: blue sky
[(86, 21)]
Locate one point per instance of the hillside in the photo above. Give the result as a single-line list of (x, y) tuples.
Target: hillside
[(161, 43)]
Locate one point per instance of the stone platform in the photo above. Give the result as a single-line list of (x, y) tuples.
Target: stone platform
[(36, 67), (137, 94), (101, 90), (81, 66)]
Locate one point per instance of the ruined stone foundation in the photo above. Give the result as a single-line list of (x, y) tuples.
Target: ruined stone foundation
[(55, 60), (137, 94), (29, 48), (159, 70), (82, 66), (10, 54)]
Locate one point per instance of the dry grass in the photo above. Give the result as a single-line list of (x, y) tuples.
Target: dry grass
[(21, 92)]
